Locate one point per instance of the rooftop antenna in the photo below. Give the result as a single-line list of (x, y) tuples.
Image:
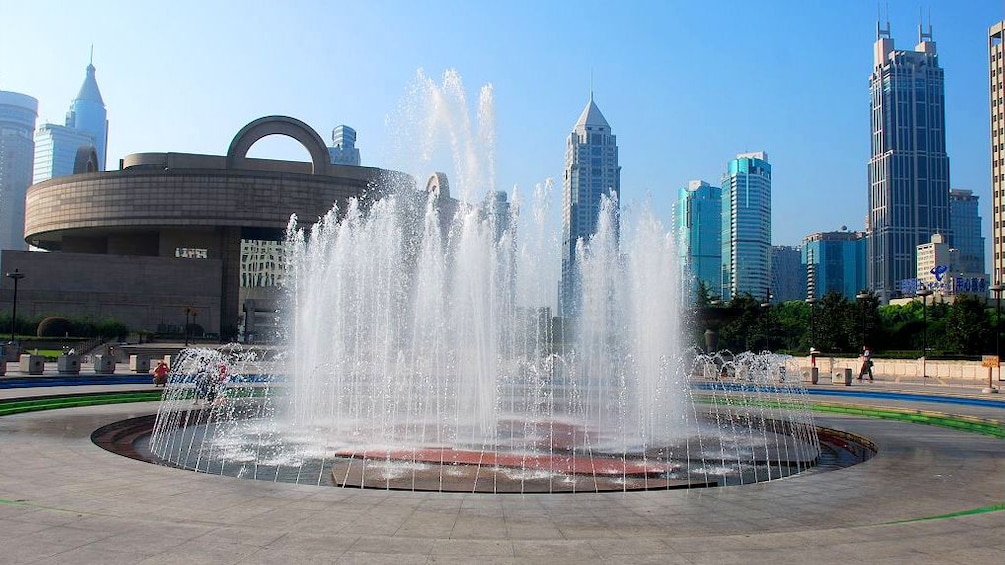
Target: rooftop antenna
[(922, 36), (882, 33), (91, 60), (591, 84)]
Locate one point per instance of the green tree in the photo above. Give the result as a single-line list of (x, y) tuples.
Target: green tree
[(967, 327)]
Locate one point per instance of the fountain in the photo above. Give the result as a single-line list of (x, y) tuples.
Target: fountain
[(424, 355)]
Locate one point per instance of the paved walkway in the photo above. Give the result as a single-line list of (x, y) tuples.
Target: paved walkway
[(63, 500)]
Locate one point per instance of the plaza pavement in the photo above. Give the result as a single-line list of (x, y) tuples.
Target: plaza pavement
[(64, 500)]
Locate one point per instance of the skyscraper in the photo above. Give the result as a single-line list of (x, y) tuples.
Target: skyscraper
[(86, 125), (343, 150), (746, 226), (908, 168), (788, 274), (965, 221), (697, 221), (996, 59), (17, 122), (591, 172), (57, 149), (835, 262)]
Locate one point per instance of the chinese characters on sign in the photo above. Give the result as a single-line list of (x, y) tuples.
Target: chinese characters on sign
[(190, 253)]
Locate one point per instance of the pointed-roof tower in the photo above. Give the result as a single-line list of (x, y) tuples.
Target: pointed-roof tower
[(87, 113), (592, 116)]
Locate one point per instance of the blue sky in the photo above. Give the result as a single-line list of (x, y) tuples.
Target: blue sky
[(685, 85)]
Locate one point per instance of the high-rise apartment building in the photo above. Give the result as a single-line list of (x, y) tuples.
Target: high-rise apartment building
[(788, 274), (86, 126), (343, 150), (965, 220), (908, 168), (746, 227), (835, 262), (697, 222), (17, 122), (591, 173), (996, 59)]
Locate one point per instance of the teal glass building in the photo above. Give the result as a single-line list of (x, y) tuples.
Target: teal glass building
[(835, 262), (697, 223), (746, 227)]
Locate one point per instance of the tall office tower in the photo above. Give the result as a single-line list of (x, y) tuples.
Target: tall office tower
[(835, 262), (697, 221), (746, 227), (996, 58), (591, 172), (343, 150), (908, 168), (17, 122), (788, 274), (86, 125), (965, 220), (57, 151)]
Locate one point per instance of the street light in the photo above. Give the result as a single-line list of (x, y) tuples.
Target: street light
[(189, 311), (997, 290), (766, 305), (861, 298), (813, 329), (924, 294), (15, 276)]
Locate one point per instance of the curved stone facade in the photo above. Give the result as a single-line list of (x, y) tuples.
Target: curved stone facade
[(188, 207)]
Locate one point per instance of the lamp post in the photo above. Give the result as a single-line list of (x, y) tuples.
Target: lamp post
[(813, 329), (189, 311), (861, 298), (766, 305), (997, 290), (924, 294), (15, 276)]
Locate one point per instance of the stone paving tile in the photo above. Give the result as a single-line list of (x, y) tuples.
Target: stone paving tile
[(105, 501), (92, 554)]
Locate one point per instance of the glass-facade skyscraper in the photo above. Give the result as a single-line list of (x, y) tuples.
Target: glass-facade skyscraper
[(591, 172), (788, 274), (56, 149), (908, 168), (86, 124), (965, 220), (835, 262), (697, 221), (746, 227), (17, 122)]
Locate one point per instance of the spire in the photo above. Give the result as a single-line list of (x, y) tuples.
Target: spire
[(89, 90), (591, 115)]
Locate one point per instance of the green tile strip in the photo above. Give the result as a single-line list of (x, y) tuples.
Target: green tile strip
[(989, 427), (993, 508)]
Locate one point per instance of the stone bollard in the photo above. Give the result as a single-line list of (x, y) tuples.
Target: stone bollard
[(3, 364), (31, 364), (847, 377), (814, 375), (68, 364), (139, 364), (104, 364)]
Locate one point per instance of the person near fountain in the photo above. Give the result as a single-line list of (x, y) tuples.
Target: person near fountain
[(866, 368), (161, 374), (203, 384)]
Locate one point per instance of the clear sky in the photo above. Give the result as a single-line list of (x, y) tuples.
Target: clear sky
[(685, 85)]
